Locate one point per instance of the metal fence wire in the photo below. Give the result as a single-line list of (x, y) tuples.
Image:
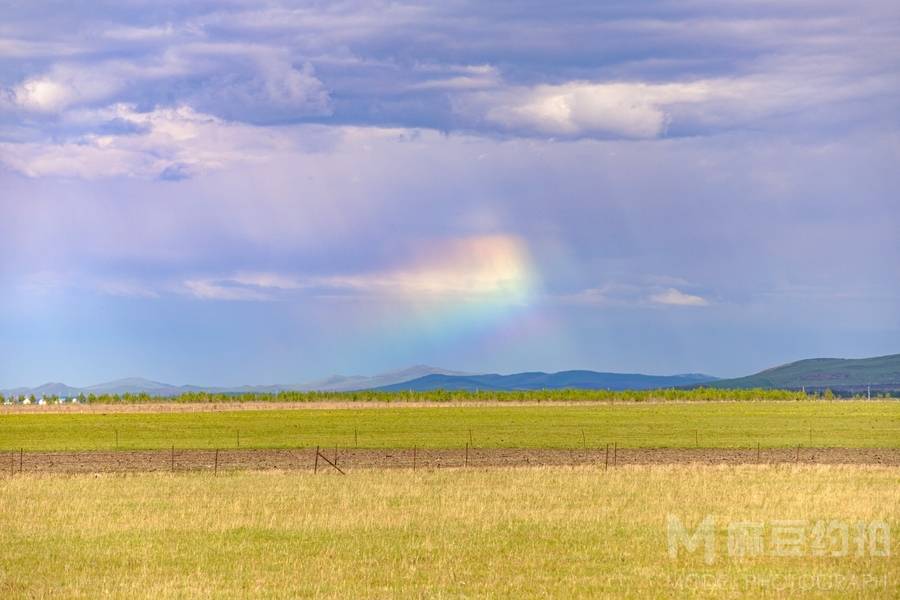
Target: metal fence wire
[(323, 459)]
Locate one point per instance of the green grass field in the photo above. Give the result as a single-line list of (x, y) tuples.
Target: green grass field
[(712, 425), (505, 533)]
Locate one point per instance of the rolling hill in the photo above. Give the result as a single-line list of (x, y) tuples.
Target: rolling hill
[(537, 380), (340, 383), (139, 385), (882, 373), (842, 375)]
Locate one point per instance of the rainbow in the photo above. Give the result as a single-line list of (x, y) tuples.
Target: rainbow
[(453, 288)]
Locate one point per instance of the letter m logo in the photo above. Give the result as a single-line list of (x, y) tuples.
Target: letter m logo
[(680, 536)]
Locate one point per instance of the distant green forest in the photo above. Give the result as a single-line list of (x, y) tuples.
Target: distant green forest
[(461, 396)]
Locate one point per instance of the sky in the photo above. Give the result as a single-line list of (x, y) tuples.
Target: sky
[(259, 192)]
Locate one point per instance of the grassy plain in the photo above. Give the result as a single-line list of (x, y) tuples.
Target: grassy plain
[(673, 425), (515, 533)]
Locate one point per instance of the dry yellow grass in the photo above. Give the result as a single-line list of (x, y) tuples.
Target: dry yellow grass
[(527, 532)]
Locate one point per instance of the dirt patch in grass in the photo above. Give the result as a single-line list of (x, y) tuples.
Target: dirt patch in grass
[(126, 461)]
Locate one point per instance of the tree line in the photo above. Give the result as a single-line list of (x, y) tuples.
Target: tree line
[(699, 394)]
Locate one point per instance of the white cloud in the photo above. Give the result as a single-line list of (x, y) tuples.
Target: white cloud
[(648, 110), (11, 47), (45, 282), (470, 77), (169, 143), (632, 110), (43, 94), (495, 268), (277, 281), (140, 34), (127, 289), (73, 84), (674, 297), (610, 294), (647, 294), (580, 108), (232, 79), (209, 289)]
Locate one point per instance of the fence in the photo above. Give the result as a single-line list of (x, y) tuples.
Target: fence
[(344, 460)]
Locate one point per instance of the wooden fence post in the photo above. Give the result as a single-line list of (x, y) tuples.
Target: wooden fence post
[(316, 465), (757, 452), (216, 466), (173, 458), (21, 458), (325, 458)]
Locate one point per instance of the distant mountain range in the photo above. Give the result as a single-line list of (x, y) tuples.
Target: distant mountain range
[(839, 374), (139, 385), (340, 383), (881, 373), (588, 380)]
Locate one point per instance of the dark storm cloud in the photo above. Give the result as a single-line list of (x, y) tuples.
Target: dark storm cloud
[(682, 68)]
